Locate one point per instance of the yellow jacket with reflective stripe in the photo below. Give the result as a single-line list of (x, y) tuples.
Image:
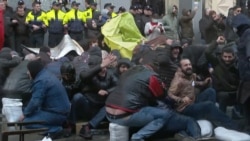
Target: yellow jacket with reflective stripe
[(71, 16), (88, 14), (37, 20), (55, 25), (51, 15)]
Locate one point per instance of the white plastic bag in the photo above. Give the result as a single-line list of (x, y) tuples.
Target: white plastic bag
[(118, 132), (206, 128), (12, 109), (224, 134)]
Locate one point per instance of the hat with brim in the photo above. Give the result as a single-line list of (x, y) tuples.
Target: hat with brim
[(20, 2), (54, 3), (74, 3)]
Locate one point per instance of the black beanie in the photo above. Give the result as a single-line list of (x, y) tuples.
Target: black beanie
[(35, 67)]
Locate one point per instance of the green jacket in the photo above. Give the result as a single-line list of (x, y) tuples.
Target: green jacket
[(170, 23)]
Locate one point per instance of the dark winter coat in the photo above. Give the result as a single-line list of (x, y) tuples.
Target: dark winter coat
[(186, 24), (137, 88)]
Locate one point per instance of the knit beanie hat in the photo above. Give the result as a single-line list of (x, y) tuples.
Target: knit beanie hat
[(35, 67)]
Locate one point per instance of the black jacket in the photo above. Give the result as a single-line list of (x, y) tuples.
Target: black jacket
[(92, 83), (226, 77), (137, 88), (18, 84)]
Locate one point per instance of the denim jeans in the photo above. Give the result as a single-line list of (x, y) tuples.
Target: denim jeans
[(208, 94), (181, 124), (53, 121), (82, 108), (98, 118), (151, 119), (208, 110)]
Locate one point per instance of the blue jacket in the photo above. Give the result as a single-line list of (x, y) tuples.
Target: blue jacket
[(48, 94)]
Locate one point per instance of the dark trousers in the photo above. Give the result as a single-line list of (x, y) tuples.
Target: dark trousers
[(37, 40), (55, 39), (21, 40), (226, 99), (9, 41), (76, 36), (82, 108)]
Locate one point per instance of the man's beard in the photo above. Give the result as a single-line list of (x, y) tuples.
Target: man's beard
[(188, 72)]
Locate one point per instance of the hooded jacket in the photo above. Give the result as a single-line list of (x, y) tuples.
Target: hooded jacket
[(170, 23), (92, 32), (226, 77), (186, 24), (242, 22), (122, 61)]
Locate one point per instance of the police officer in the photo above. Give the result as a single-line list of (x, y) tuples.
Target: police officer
[(55, 24), (74, 22), (37, 21), (110, 8), (89, 13)]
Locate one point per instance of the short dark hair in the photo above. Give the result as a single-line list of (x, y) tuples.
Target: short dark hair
[(228, 50), (183, 58)]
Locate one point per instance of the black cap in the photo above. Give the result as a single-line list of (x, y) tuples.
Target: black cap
[(75, 3), (139, 6), (93, 4), (148, 8), (55, 3), (20, 2), (109, 5), (133, 7)]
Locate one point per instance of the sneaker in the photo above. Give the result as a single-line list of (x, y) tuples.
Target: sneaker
[(85, 132)]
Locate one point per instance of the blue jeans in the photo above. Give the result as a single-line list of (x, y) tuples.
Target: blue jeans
[(208, 110), (82, 108), (98, 118), (208, 94), (151, 119), (53, 121), (182, 124)]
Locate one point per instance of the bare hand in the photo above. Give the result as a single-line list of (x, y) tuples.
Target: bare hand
[(169, 42), (44, 26), (186, 100), (208, 80), (35, 27), (103, 92), (108, 60), (220, 40)]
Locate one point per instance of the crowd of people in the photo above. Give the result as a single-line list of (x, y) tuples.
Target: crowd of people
[(169, 84)]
